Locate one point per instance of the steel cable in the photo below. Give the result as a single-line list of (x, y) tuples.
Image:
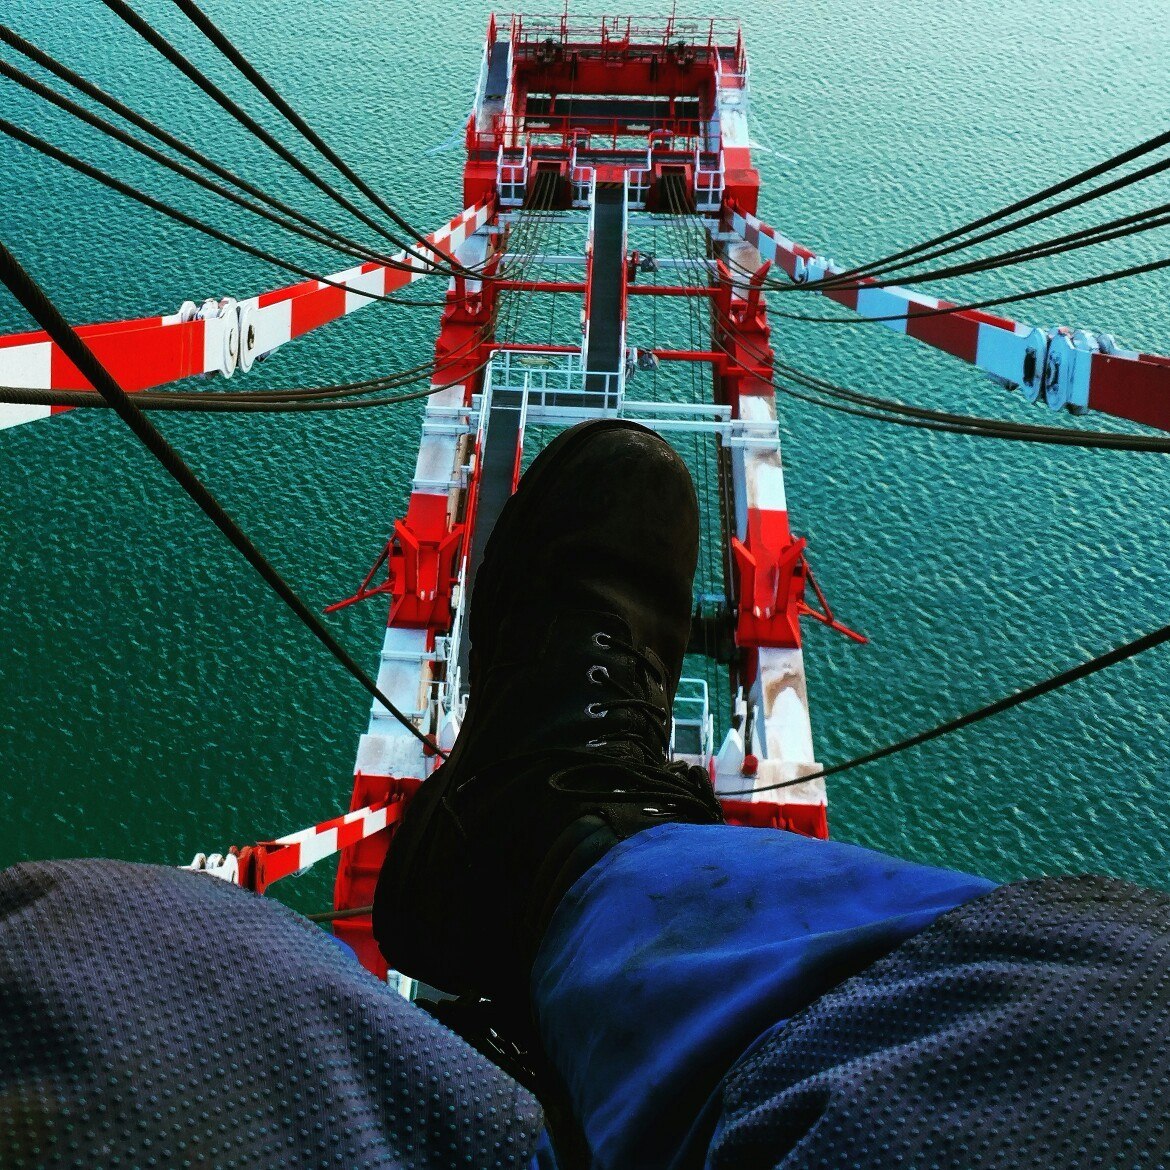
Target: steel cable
[(1151, 219), (1025, 695), (38, 56), (1018, 698), (29, 293), (991, 302), (160, 43), (938, 420), (157, 156), (294, 400), (86, 398), (209, 29), (986, 428), (115, 184), (892, 261)]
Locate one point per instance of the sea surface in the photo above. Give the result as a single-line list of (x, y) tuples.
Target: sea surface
[(155, 700)]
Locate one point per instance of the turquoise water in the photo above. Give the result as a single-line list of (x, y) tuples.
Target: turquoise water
[(156, 701)]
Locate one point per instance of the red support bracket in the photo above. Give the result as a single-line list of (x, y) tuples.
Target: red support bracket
[(773, 570), (755, 288), (825, 613), (810, 820), (771, 590), (420, 573), (366, 590)]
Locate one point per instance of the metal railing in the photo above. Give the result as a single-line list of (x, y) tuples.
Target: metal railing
[(481, 84), (692, 728), (709, 184), (705, 32), (448, 692), (564, 131), (737, 77), (512, 178), (582, 177), (449, 697), (552, 385), (589, 261), (624, 255)]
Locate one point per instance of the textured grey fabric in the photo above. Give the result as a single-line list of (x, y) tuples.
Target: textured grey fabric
[(152, 1017), (1027, 1028)]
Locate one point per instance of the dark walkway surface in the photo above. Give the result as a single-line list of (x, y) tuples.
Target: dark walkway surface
[(495, 486), (497, 78), (605, 287), (503, 425), (602, 109)]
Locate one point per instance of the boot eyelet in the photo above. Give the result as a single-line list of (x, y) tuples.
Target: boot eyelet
[(596, 674), (602, 640), (596, 711)]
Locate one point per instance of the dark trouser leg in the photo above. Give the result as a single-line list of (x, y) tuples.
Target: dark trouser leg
[(684, 946)]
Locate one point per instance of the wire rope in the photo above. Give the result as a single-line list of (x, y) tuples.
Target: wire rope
[(74, 79), (29, 293), (162, 45), (887, 263)]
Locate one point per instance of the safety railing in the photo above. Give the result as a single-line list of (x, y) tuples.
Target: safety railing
[(638, 189), (735, 77), (552, 385), (707, 32), (709, 184), (622, 357), (591, 132), (512, 177), (448, 692), (692, 729), (481, 84), (449, 698), (582, 179), (521, 427), (700, 418), (589, 259)]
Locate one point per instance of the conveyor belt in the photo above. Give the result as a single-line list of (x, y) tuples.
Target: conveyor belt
[(497, 78), (503, 424), (605, 287)]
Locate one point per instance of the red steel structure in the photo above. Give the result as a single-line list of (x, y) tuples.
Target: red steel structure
[(612, 131)]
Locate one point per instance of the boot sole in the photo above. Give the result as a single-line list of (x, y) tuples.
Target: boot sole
[(404, 890)]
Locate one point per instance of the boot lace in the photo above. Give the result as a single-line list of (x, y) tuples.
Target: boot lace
[(681, 786), (667, 790), (657, 715)]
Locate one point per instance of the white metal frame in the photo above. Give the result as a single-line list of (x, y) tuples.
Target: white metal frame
[(692, 694), (512, 178)]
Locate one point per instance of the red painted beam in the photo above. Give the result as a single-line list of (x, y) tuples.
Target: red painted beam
[(672, 290), (548, 286), (522, 348), (690, 355)]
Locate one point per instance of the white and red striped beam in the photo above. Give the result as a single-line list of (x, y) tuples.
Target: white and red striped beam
[(297, 851), (1066, 368), (218, 337)]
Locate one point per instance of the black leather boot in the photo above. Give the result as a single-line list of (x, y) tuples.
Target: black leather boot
[(579, 620)]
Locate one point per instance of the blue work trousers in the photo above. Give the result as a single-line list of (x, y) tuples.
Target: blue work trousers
[(686, 947)]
